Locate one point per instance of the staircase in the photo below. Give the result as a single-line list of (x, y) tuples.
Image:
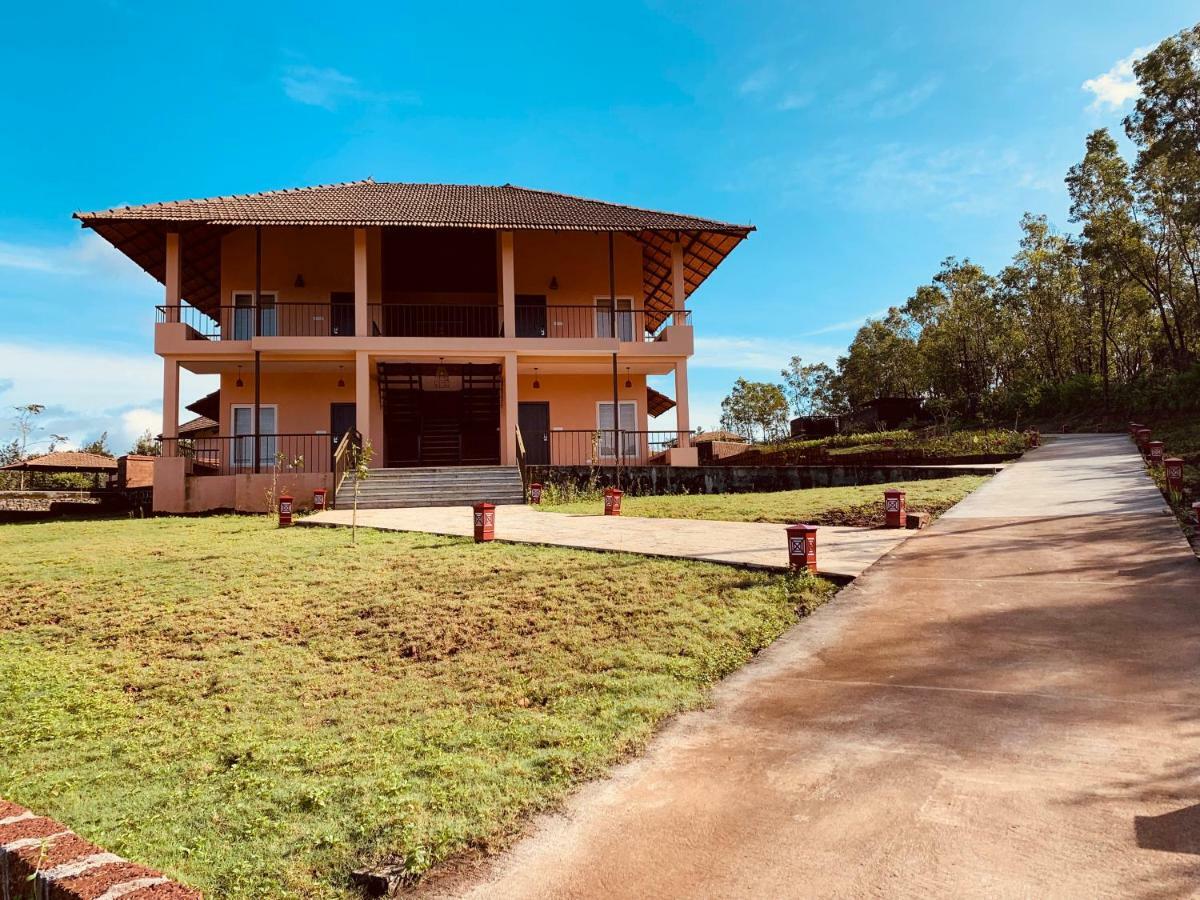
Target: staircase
[(435, 486), (441, 444)]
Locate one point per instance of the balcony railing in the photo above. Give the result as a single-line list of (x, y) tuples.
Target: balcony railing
[(285, 319), (627, 325), (604, 447), (245, 453), (434, 320), (241, 323)]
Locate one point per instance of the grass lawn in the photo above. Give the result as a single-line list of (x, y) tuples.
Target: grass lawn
[(862, 505), (259, 711)]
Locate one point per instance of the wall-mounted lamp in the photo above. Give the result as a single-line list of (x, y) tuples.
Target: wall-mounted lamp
[(341, 379), (554, 282), (628, 380), (536, 384), (239, 383), (299, 280)]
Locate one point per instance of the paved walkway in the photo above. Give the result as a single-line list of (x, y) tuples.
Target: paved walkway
[(841, 552), (1007, 705)]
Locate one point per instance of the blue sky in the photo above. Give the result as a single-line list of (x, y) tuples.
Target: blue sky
[(867, 141)]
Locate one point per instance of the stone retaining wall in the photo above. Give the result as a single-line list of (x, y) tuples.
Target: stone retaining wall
[(64, 866)]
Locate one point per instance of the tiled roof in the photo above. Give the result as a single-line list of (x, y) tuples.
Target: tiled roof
[(657, 403), (66, 460), (200, 423), (369, 203), (706, 436), (138, 231)]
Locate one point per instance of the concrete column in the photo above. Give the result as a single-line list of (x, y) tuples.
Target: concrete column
[(508, 284), (170, 410), (173, 278), (362, 326), (362, 395), (508, 412), (678, 285), (682, 419)]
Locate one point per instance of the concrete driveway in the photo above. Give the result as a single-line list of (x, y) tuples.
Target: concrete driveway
[(841, 552), (1007, 705)]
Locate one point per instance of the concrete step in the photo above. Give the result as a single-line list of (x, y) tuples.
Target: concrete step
[(446, 485)]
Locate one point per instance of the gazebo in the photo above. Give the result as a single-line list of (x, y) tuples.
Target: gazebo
[(66, 462)]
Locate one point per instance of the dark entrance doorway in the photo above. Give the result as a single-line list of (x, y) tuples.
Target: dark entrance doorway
[(341, 419), (534, 422), (531, 315), (341, 314), (440, 414)]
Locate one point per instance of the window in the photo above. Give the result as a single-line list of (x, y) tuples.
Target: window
[(629, 437), (624, 318), (243, 315), (243, 430)]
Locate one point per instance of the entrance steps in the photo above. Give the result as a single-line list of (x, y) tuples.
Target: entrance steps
[(434, 486)]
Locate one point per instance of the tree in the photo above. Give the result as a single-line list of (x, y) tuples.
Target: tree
[(145, 445), (98, 446), (755, 406), (811, 389), (360, 470), (882, 361)]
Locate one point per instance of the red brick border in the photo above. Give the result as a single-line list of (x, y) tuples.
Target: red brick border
[(41, 859)]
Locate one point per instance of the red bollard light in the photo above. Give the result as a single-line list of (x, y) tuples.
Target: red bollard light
[(485, 522), (1156, 453), (1133, 427), (802, 547), (895, 508), (1174, 467), (535, 492), (319, 499), (612, 501), (285, 510), (1142, 435)]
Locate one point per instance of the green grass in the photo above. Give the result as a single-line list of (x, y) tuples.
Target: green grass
[(859, 505), (981, 441), (1181, 438), (259, 711)]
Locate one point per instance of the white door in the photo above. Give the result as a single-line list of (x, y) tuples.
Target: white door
[(243, 430), (624, 318), (628, 427)]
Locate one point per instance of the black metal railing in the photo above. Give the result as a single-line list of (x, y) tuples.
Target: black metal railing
[(241, 323), (288, 319), (628, 325), (434, 320), (605, 447), (248, 453)]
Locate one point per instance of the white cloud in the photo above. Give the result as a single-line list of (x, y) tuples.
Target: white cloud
[(86, 391), (328, 88), (846, 324), (1118, 85), (905, 101), (757, 81), (756, 354), (88, 256)]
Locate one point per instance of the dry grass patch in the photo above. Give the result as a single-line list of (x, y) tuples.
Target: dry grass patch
[(258, 711)]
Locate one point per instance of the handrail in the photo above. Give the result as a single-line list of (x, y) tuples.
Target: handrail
[(342, 458), (521, 460)]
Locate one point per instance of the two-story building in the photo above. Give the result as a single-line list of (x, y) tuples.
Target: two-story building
[(447, 325)]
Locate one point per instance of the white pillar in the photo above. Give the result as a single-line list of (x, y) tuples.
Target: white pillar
[(508, 284), (678, 285), (508, 412), (682, 419), (170, 408), (173, 278), (362, 320), (362, 396)]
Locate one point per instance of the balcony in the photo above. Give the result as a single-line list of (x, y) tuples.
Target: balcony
[(418, 320)]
